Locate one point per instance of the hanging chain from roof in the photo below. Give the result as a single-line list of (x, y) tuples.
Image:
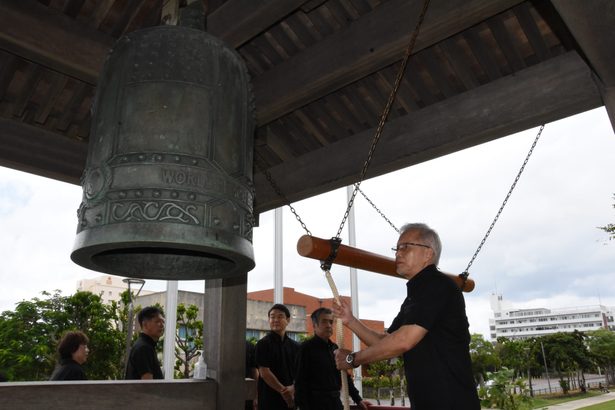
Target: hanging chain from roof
[(377, 210), (385, 114), (279, 193), (377, 135), (465, 273)]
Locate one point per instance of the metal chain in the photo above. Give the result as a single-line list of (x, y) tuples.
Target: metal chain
[(385, 114), (381, 123), (278, 191), (377, 210), (466, 271)]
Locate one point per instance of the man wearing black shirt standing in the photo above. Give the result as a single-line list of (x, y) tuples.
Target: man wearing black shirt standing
[(431, 329), (318, 382), (276, 355), (143, 360)]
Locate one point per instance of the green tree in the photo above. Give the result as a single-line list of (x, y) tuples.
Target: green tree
[(484, 358), (512, 355), (505, 391), (567, 353), (610, 228), (29, 335), (601, 344), (188, 339), (381, 375)]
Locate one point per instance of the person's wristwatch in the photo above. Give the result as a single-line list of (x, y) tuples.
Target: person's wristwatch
[(350, 360)]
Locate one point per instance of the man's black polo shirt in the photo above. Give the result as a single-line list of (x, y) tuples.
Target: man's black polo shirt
[(318, 382), (280, 356), (143, 359), (438, 369)]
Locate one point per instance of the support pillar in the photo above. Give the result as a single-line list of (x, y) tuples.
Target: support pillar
[(224, 333), (592, 25), (608, 98)]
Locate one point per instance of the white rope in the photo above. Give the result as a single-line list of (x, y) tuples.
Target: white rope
[(339, 335)]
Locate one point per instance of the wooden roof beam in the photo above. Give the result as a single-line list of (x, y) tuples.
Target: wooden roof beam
[(370, 43), (551, 90), (35, 150), (592, 24), (237, 21), (48, 37)]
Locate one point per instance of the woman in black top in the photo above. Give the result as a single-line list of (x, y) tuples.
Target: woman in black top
[(73, 351)]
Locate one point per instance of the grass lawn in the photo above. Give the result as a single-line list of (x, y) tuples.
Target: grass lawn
[(540, 402), (607, 405)]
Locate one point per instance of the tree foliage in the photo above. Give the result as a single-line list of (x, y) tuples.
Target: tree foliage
[(601, 344), (29, 335), (484, 358), (188, 339), (609, 228), (385, 374), (505, 391)]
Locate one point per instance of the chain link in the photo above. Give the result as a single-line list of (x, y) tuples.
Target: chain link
[(278, 191), (512, 187), (377, 210), (385, 114)]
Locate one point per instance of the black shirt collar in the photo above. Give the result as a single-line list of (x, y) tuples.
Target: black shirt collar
[(421, 275), (148, 339), (277, 337)]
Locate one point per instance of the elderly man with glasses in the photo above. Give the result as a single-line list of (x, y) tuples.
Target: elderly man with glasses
[(430, 330)]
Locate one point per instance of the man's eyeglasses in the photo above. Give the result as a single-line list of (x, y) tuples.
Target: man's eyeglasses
[(405, 245)]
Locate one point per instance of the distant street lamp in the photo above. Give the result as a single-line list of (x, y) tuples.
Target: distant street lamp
[(130, 319)]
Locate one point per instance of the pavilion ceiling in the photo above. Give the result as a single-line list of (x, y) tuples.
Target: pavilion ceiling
[(322, 71)]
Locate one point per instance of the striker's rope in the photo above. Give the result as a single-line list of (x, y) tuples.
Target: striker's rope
[(339, 335)]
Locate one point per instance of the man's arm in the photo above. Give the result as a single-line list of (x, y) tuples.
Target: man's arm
[(343, 311), (354, 393), (391, 345), (287, 392), (147, 376)]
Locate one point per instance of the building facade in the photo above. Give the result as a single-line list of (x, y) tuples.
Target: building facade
[(526, 323), (109, 287)]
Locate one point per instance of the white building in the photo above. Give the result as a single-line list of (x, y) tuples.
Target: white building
[(109, 287), (525, 323)]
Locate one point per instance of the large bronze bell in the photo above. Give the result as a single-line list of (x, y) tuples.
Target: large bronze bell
[(167, 189)]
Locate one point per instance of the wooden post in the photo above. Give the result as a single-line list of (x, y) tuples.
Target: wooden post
[(225, 335), (317, 248)]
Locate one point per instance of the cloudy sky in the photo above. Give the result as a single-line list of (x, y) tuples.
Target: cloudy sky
[(545, 251)]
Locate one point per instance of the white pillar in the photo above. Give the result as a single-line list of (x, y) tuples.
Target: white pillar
[(278, 281), (168, 355), (354, 288)]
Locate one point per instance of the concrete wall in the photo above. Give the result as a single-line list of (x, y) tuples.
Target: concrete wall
[(257, 319)]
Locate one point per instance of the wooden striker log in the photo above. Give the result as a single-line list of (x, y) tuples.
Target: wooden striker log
[(317, 248)]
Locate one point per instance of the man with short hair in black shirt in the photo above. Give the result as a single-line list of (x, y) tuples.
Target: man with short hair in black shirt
[(318, 382), (276, 355), (431, 329), (143, 360)]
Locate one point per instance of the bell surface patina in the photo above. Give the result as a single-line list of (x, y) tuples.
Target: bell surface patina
[(167, 188)]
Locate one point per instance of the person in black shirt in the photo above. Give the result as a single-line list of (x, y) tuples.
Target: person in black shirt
[(431, 329), (276, 355), (143, 360), (318, 382), (73, 351)]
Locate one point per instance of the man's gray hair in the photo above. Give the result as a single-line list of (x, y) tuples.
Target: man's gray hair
[(428, 235)]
